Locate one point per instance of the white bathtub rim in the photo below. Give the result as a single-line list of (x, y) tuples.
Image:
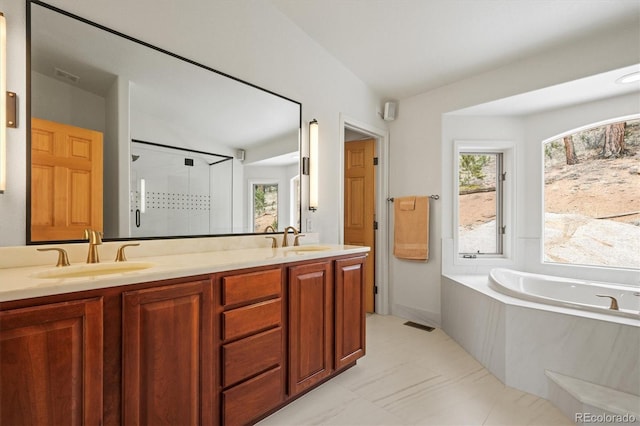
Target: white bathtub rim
[(481, 284), (494, 283)]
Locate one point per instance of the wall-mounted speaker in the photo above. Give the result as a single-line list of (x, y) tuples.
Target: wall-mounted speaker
[(390, 109), (240, 154)]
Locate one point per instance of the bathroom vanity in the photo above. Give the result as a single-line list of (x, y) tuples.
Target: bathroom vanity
[(219, 341)]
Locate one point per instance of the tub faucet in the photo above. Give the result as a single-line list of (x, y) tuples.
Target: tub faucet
[(95, 239), (269, 228), (285, 242), (614, 302)]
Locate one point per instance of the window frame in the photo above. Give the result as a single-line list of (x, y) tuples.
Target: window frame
[(505, 201)]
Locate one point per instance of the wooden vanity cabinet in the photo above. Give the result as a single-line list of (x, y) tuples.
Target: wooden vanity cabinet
[(310, 288), (252, 344), (227, 348), (168, 357), (51, 363), (349, 311)]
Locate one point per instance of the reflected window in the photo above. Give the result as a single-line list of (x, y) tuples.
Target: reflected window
[(265, 206), (592, 196)]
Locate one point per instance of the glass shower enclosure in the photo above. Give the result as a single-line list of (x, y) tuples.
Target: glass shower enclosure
[(177, 192)]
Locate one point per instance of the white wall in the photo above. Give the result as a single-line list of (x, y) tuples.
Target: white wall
[(249, 40), (420, 158)]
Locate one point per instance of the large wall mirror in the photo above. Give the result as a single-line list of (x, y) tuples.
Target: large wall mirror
[(142, 143)]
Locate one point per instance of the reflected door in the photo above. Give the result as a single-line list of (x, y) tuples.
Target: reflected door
[(66, 181)]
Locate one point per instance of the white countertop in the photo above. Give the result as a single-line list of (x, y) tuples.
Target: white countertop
[(23, 282)]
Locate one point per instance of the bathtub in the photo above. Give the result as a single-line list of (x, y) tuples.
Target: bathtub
[(521, 325), (567, 292)]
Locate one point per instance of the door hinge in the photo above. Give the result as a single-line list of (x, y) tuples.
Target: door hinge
[(504, 176), (504, 229), (375, 225), (375, 289), (375, 161)]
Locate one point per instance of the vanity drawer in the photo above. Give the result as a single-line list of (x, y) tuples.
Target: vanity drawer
[(243, 403), (251, 319), (245, 288), (247, 357)]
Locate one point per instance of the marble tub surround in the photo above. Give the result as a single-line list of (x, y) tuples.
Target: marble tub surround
[(585, 397), (24, 282), (519, 340), (19, 256), (414, 377)]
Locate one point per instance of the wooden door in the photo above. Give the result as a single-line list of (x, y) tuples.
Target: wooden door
[(51, 364), (350, 310), (66, 181), (359, 205), (310, 325), (168, 361)]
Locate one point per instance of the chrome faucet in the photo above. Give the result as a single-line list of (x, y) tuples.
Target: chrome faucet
[(285, 242), (95, 239)]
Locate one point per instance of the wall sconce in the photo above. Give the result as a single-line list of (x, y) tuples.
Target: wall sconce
[(3, 103), (313, 165)]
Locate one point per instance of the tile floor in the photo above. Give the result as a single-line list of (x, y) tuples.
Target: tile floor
[(414, 377)]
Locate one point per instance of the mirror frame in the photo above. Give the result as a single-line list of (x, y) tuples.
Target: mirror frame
[(155, 48)]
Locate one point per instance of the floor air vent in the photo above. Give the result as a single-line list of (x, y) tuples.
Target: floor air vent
[(420, 326)]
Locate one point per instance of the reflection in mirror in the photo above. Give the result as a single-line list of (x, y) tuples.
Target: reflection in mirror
[(181, 142), (179, 192)]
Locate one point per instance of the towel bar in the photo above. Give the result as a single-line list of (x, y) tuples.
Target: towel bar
[(435, 197)]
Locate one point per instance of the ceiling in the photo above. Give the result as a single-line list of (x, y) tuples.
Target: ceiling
[(401, 48)]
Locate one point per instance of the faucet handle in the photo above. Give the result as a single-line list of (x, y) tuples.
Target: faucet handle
[(120, 257), (63, 259), (274, 242), (296, 241), (614, 302)]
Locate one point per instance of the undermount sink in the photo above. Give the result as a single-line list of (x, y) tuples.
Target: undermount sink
[(307, 248), (93, 270)]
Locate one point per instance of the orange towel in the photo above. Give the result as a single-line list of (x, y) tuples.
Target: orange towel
[(411, 228)]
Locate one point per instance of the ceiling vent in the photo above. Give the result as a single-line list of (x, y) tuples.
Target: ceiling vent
[(65, 76)]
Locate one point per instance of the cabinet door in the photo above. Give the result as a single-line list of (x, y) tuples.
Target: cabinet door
[(350, 311), (51, 364), (167, 355), (310, 325)]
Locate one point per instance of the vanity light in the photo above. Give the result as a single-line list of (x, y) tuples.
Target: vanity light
[(3, 103), (313, 165)]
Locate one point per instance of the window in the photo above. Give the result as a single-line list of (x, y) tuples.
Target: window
[(592, 196), (480, 203)]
